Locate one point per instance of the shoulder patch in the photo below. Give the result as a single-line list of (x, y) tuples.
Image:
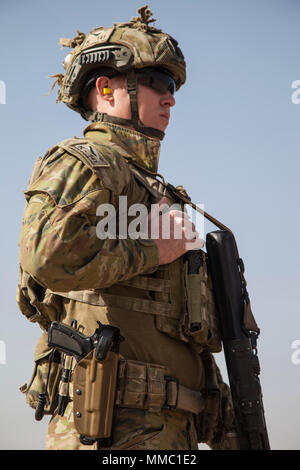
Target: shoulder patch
[(104, 161), (90, 153)]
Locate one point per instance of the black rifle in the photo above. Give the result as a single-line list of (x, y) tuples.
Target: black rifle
[(239, 333), (239, 330)]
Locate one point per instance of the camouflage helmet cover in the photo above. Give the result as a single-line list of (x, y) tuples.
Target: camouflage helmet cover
[(120, 48)]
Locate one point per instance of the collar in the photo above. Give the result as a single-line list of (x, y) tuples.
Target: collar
[(139, 148)]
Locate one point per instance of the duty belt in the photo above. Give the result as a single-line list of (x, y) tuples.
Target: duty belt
[(147, 386)]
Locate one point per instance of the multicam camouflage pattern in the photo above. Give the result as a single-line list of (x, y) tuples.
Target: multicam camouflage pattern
[(132, 430), (59, 249), (62, 434), (59, 224), (145, 46)]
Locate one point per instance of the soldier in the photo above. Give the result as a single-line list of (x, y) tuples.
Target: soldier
[(123, 79)]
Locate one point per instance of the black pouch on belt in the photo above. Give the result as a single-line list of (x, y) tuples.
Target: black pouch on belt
[(201, 324)]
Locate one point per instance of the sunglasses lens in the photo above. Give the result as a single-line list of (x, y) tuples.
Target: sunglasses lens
[(159, 81)]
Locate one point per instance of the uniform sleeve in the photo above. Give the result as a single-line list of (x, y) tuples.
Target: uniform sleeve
[(59, 245)]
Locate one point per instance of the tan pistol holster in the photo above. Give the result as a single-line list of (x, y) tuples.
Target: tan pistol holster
[(94, 387), (94, 394)]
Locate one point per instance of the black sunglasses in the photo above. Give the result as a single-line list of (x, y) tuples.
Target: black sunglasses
[(159, 80)]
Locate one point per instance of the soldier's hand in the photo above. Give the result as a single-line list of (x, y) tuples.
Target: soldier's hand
[(173, 232)]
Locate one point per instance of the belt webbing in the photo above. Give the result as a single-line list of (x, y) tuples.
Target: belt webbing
[(174, 396)]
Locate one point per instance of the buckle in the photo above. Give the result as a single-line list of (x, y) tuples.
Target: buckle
[(172, 389)]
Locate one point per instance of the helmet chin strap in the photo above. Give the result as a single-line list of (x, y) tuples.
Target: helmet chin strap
[(135, 121)]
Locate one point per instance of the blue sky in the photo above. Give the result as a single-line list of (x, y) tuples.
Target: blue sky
[(233, 143)]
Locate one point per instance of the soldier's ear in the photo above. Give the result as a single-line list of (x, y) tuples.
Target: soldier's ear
[(104, 88)]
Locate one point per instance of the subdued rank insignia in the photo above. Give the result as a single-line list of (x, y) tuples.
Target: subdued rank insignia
[(90, 154)]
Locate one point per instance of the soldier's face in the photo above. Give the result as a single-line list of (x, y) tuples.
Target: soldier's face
[(154, 107)]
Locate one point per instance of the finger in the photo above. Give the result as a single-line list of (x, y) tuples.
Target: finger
[(191, 234), (189, 227), (195, 244)]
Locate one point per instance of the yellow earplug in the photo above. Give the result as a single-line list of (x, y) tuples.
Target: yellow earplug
[(106, 91)]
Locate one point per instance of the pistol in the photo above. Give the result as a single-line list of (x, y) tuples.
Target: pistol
[(70, 341)]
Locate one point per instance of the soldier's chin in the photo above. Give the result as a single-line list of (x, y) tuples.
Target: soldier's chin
[(162, 125), (164, 122)]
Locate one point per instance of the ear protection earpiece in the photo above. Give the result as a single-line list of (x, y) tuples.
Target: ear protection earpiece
[(106, 91)]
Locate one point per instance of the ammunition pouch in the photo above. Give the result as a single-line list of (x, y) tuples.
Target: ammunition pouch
[(45, 378), (149, 387), (200, 324)]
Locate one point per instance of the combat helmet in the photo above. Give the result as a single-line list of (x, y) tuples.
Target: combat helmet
[(128, 48)]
